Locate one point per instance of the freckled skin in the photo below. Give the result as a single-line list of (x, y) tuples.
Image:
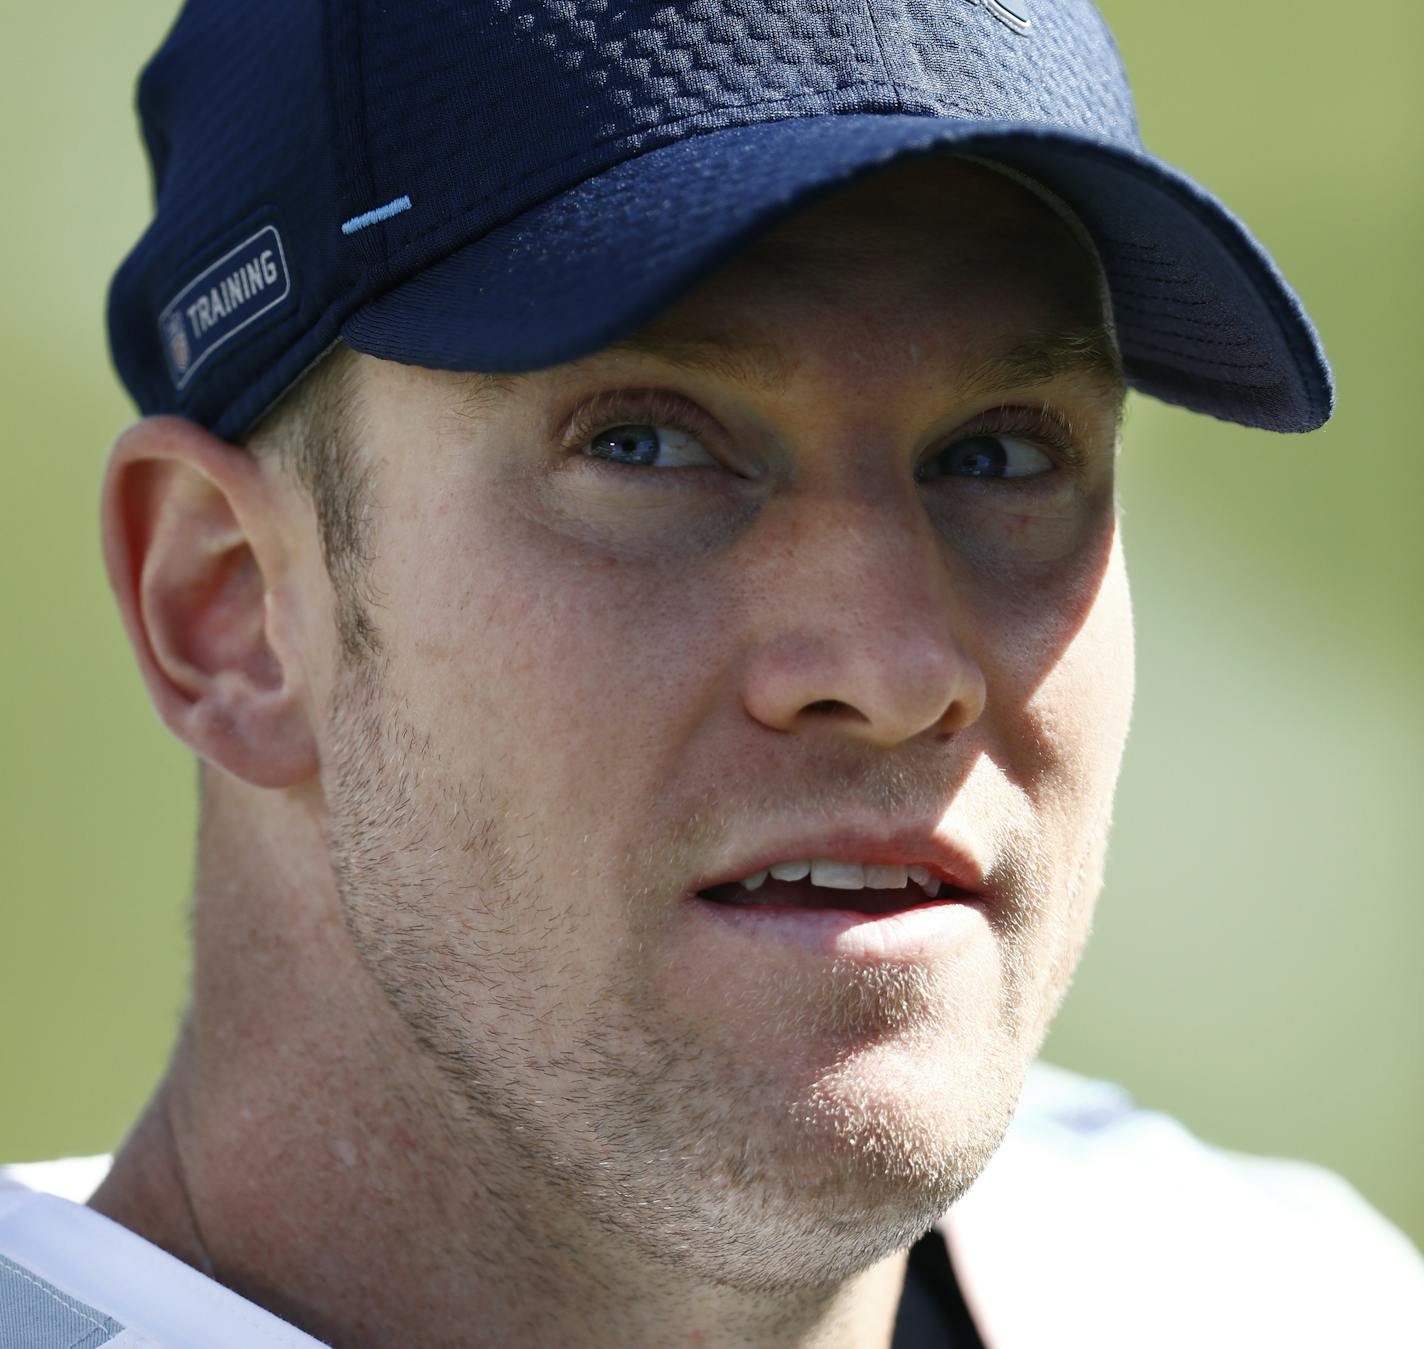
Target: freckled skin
[(465, 940)]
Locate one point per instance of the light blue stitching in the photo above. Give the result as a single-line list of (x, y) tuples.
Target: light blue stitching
[(359, 222)]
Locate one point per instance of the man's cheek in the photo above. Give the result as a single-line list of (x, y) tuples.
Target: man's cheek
[(580, 666), (1094, 680), (1060, 749)]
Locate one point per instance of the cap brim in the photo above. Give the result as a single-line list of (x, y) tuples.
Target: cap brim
[(1205, 319)]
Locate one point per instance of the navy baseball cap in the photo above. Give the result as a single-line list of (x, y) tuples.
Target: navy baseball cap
[(503, 185)]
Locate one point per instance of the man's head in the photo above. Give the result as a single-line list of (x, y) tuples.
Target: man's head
[(867, 597), (724, 484)]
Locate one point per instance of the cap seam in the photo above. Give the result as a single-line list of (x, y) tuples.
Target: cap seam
[(1234, 345), (380, 239), (350, 129), (1219, 363), (880, 51), (1137, 383), (1126, 292)]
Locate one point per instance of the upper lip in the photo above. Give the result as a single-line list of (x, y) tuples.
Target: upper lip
[(950, 860)]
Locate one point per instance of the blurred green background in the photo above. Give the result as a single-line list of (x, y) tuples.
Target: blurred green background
[(1255, 968)]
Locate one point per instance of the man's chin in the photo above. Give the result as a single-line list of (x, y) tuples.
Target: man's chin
[(856, 1171), (830, 1215), (881, 1150)]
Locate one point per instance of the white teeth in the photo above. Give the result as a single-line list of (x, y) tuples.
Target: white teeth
[(791, 871), (921, 877), (837, 875)]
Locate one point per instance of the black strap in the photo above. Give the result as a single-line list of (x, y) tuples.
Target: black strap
[(932, 1313)]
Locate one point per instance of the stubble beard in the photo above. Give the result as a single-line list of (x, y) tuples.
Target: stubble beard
[(637, 1126)]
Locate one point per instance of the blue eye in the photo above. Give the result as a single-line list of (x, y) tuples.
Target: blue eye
[(987, 456), (647, 445)]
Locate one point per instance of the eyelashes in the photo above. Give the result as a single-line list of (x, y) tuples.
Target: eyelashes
[(1043, 426), (635, 406)]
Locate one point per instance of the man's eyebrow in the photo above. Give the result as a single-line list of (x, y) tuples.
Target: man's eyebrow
[(1086, 349), (744, 358)]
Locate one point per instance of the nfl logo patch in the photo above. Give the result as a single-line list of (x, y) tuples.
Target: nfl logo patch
[(177, 337), (223, 302)]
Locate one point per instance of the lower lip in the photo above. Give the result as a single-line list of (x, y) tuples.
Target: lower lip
[(921, 933)]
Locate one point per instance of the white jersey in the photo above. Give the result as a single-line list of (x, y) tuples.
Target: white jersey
[(1096, 1224)]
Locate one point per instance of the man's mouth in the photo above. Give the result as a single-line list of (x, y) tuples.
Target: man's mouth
[(906, 908), (837, 885)]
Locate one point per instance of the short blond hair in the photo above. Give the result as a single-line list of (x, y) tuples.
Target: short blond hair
[(314, 432)]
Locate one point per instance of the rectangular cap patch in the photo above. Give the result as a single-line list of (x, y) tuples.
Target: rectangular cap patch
[(226, 298)]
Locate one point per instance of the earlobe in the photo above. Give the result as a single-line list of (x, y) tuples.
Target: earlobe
[(193, 549)]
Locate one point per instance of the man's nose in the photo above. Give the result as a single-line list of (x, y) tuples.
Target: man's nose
[(859, 625)]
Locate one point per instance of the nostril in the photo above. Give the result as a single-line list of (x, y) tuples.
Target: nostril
[(959, 715)]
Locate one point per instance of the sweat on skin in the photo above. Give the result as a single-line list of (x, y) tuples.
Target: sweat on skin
[(465, 1062)]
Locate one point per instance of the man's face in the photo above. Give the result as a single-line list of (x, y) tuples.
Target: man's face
[(790, 610)]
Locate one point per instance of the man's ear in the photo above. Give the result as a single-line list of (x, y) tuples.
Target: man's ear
[(193, 546)]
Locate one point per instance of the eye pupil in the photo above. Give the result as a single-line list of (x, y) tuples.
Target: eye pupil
[(979, 457), (631, 444)]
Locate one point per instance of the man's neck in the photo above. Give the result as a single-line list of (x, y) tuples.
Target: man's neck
[(345, 1240)]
